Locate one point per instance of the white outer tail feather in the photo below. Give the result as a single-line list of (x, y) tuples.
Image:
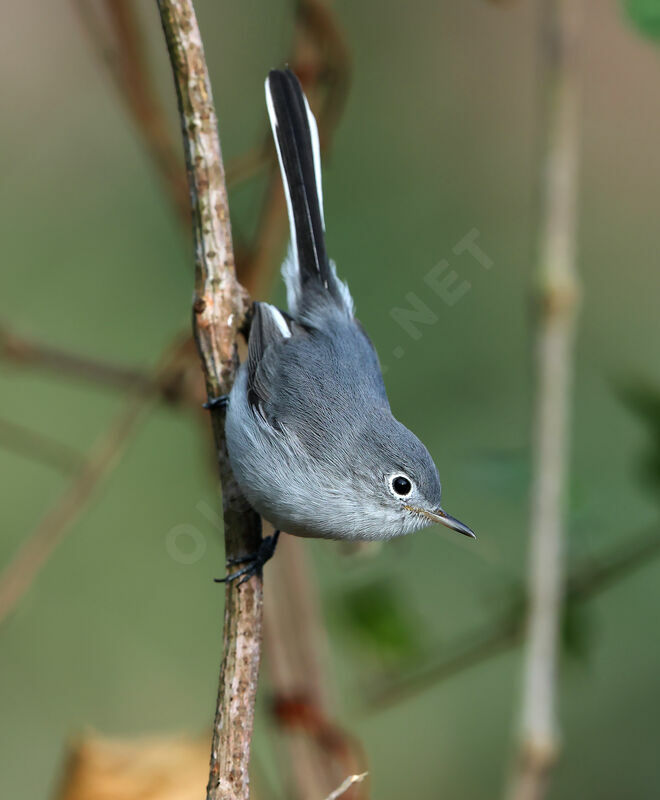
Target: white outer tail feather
[(290, 265)]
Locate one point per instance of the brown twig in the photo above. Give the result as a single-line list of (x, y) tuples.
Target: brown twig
[(586, 582), (123, 52), (29, 352), (39, 447), (178, 385), (558, 280), (103, 458), (320, 751), (219, 308)]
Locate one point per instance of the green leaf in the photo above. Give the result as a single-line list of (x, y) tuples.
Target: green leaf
[(645, 16)]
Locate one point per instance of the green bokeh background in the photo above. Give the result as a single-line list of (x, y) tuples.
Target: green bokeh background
[(437, 139)]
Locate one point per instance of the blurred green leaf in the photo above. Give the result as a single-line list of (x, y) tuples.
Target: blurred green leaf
[(576, 629), (644, 401), (380, 621), (645, 16)]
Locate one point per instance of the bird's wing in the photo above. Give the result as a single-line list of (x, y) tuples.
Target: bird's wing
[(269, 329), (315, 383)]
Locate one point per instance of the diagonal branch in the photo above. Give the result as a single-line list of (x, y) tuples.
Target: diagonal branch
[(220, 306), (39, 447), (29, 352), (584, 583), (179, 385), (106, 453)]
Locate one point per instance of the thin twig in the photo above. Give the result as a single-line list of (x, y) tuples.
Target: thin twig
[(346, 785), (586, 582), (103, 458), (30, 352), (556, 323), (219, 307), (177, 385), (39, 447)]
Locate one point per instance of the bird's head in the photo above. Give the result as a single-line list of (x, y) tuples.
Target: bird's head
[(400, 480)]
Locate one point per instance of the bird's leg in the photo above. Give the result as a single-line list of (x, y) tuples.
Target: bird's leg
[(253, 563), (216, 402)]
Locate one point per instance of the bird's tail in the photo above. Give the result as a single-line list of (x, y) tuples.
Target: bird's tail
[(309, 275)]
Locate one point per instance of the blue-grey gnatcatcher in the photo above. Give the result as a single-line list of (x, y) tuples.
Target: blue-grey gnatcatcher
[(311, 438)]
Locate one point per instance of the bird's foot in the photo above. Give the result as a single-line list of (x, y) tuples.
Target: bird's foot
[(253, 563), (216, 402)]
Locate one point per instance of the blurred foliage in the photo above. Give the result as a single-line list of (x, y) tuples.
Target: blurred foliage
[(577, 631), (377, 617), (644, 400), (645, 16)]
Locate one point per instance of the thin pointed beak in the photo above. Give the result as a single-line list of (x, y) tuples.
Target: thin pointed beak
[(451, 522)]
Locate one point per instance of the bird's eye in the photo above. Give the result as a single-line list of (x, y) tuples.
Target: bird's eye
[(401, 485)]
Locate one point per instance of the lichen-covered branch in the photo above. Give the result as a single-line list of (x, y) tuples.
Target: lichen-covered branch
[(219, 310)]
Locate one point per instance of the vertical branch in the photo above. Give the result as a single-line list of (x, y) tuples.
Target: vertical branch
[(124, 54), (219, 309), (143, 103), (556, 322), (320, 752)]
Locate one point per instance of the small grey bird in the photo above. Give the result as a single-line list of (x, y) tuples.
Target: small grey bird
[(310, 434)]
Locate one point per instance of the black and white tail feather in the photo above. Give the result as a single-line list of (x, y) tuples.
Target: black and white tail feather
[(311, 280)]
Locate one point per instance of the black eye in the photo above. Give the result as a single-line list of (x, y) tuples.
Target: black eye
[(401, 485)]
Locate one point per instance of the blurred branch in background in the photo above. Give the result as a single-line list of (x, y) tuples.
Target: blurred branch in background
[(96, 468), (584, 583), (31, 353), (320, 752), (39, 447), (119, 43), (558, 300)]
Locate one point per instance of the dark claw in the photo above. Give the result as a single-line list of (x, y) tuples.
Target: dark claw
[(233, 562), (216, 402), (248, 571), (253, 563)]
